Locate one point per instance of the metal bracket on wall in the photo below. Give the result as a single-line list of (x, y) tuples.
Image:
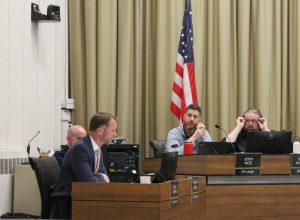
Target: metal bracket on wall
[(53, 14)]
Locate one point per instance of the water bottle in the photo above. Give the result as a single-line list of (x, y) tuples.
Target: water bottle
[(296, 146)]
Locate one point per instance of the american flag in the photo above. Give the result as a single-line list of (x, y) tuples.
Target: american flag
[(184, 86)]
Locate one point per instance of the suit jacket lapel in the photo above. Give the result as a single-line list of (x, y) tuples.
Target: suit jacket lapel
[(91, 150)]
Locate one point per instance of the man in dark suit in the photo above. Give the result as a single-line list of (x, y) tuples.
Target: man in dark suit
[(80, 163), (73, 134)]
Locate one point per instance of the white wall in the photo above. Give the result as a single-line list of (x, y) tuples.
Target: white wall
[(33, 75), (5, 192), (33, 66)]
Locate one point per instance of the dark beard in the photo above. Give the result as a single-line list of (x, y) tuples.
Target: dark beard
[(190, 126), (189, 130)]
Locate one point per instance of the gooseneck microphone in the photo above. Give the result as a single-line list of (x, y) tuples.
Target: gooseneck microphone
[(226, 135), (28, 145)]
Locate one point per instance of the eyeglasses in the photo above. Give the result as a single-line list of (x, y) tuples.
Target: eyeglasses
[(251, 120)]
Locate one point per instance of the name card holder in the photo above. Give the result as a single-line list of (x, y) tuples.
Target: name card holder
[(174, 200), (195, 189), (295, 164), (247, 164)]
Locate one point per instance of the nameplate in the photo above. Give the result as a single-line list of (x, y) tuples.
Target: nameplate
[(295, 160), (174, 193), (195, 184), (295, 164), (195, 189), (247, 172), (174, 188), (174, 202), (195, 197), (247, 164), (295, 171)]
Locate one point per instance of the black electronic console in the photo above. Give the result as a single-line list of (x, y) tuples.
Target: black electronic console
[(121, 162)]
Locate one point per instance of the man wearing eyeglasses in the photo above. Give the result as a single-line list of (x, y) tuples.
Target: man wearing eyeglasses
[(73, 134), (251, 120)]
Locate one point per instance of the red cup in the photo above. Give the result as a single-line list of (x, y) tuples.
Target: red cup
[(188, 148)]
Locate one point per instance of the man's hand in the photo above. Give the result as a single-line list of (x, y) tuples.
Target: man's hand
[(240, 122), (263, 124), (199, 132), (106, 178)]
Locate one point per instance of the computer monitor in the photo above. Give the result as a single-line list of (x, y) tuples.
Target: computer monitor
[(122, 162), (168, 167), (215, 148), (269, 142)]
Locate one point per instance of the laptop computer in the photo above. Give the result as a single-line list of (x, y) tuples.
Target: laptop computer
[(215, 148), (269, 142)]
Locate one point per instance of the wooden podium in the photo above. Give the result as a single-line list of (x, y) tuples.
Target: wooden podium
[(179, 199)]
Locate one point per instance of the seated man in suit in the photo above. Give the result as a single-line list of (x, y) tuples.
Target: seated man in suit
[(251, 120), (73, 134), (84, 161), (192, 130)]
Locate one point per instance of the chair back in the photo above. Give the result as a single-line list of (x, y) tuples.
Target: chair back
[(46, 171), (158, 147)]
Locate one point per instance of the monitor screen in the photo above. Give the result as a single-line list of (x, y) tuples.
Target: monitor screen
[(168, 167), (269, 142), (121, 162)]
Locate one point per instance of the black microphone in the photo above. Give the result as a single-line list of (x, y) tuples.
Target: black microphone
[(226, 135), (158, 176), (28, 145)]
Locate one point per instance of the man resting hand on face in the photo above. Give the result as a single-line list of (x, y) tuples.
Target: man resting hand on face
[(192, 130)]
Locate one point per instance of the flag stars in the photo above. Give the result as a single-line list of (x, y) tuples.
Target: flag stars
[(186, 47)]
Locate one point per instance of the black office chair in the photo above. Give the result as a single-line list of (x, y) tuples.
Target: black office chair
[(158, 147), (46, 171)]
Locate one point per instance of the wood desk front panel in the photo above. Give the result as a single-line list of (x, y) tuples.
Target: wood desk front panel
[(253, 202), (221, 164), (137, 201), (276, 164), (139, 210)]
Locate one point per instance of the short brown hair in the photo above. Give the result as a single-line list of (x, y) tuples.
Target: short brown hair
[(100, 119), (194, 107)]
